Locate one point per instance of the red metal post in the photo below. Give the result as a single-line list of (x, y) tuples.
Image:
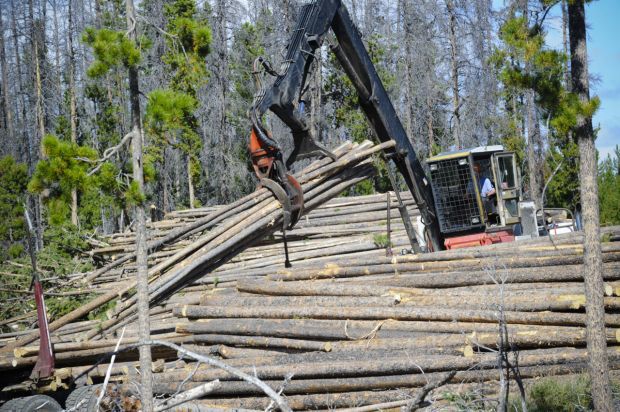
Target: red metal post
[(45, 362)]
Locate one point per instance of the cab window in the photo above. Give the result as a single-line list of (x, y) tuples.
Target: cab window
[(506, 172)]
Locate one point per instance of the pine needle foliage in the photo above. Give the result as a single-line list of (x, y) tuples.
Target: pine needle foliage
[(111, 48), (170, 112), (64, 168), (13, 181)]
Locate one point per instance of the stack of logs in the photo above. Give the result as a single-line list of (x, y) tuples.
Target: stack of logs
[(365, 330), (349, 324)]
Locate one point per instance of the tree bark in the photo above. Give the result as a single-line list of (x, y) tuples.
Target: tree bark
[(72, 109), (365, 383), (533, 142), (56, 31), (594, 287), (37, 33), (26, 137), (401, 312), (190, 183), (454, 75), (141, 236), (565, 45), (37, 48), (8, 109), (533, 133)]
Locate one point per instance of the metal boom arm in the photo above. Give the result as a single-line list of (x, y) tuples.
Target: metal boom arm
[(315, 20)]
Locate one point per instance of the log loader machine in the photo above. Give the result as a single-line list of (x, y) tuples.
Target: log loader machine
[(453, 211)]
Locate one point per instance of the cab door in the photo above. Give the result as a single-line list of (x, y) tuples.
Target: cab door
[(507, 187)]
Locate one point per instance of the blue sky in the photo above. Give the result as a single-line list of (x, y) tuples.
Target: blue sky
[(604, 58), (604, 55)]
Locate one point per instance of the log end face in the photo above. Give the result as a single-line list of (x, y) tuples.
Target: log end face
[(19, 352), (576, 301), (468, 351), (181, 328)]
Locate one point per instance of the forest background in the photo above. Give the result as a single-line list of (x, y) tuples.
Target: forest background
[(460, 74)]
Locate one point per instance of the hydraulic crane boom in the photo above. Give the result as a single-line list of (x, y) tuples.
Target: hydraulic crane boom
[(284, 96)]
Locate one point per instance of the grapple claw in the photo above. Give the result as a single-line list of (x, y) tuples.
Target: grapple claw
[(292, 201), (291, 197), (297, 200), (304, 147)]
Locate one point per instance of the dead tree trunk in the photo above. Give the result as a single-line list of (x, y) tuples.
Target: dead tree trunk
[(454, 74), (72, 110), (37, 34), (565, 45), (37, 52), (190, 183), (29, 155), (141, 245), (594, 287), (8, 109), (533, 142)]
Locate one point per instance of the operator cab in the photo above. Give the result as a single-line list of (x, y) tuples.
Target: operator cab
[(477, 193)]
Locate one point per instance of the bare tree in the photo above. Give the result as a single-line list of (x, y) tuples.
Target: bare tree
[(140, 220), (454, 74), (592, 263), (27, 138), (72, 107), (419, 75), (37, 48), (6, 98)]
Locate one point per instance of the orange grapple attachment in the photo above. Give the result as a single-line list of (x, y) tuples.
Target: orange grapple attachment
[(262, 160), (289, 192)]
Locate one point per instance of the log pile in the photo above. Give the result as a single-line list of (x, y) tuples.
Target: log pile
[(347, 325), (360, 331)]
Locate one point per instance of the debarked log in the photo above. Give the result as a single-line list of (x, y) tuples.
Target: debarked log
[(384, 313), (261, 342), (367, 383), (411, 364), (211, 300), (322, 329), (354, 268)]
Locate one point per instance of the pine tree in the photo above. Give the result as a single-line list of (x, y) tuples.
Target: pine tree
[(13, 181), (170, 113), (64, 168), (529, 67)]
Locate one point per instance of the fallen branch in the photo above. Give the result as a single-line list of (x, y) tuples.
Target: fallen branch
[(218, 364), (109, 372), (188, 395)]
